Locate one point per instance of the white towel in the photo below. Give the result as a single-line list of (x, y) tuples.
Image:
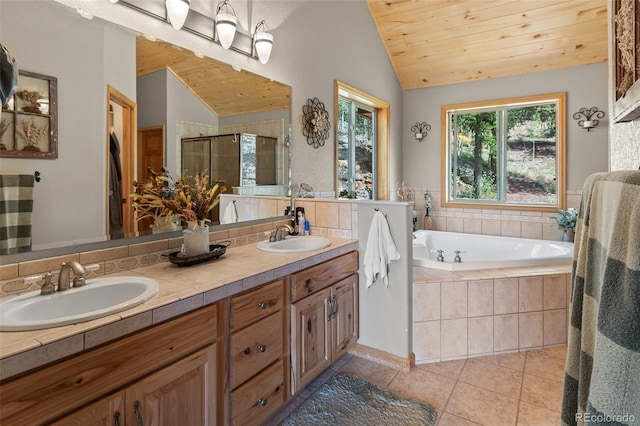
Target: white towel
[(230, 213), (380, 251)]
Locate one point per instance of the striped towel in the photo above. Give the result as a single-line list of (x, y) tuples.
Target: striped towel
[(602, 380), (16, 207)]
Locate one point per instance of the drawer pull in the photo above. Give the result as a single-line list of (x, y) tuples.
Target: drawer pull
[(329, 308), (247, 351), (262, 401), (116, 418), (136, 409), (335, 306), (262, 305), (262, 348), (307, 284)]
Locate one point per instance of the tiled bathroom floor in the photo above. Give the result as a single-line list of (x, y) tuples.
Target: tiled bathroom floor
[(522, 388)]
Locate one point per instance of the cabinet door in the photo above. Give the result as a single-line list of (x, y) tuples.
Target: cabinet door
[(182, 394), (311, 337), (345, 316), (108, 411)]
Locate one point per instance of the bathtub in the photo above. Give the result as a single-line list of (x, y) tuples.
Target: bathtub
[(485, 251)]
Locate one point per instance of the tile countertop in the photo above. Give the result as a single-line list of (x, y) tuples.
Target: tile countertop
[(182, 289)]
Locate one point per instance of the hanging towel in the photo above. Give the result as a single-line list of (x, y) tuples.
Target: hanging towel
[(380, 251), (230, 213), (16, 208), (602, 378)]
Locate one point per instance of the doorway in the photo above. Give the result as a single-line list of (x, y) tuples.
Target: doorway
[(150, 156), (120, 143)]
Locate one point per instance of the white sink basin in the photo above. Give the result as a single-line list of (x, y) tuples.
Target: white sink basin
[(295, 244), (99, 297)]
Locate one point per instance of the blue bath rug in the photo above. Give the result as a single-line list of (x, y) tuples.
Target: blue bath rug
[(351, 401)]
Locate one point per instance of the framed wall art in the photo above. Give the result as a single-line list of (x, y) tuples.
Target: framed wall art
[(29, 120)]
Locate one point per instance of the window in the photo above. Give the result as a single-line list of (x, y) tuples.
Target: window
[(362, 136), (356, 148), (506, 154)]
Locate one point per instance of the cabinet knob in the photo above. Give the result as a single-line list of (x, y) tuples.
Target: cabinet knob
[(116, 418), (262, 348), (262, 401), (247, 351), (262, 305), (136, 409)]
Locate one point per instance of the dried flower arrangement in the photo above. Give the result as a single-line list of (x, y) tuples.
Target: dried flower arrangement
[(190, 199), (625, 39), (4, 126), (32, 134), (33, 98), (404, 192)]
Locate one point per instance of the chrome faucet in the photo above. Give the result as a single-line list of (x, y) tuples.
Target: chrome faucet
[(64, 280)]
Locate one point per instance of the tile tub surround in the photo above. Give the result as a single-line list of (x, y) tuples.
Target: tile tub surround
[(505, 223), (466, 314), (181, 290)]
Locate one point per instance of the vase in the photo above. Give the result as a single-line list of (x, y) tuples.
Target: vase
[(196, 240), (568, 235)]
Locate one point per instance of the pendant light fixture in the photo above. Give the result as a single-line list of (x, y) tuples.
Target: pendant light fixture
[(177, 11), (226, 24), (263, 42)]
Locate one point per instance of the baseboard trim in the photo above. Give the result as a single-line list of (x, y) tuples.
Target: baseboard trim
[(384, 358)]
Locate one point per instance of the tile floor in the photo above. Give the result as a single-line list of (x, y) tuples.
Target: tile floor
[(523, 388)]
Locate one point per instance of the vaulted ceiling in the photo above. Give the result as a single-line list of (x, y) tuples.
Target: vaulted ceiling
[(435, 42), (225, 91)]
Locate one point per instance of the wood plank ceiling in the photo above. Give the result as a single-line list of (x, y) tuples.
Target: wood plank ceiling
[(435, 42), (225, 91)]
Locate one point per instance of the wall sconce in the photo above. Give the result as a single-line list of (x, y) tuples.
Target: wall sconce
[(420, 130), (263, 42), (257, 45), (588, 122), (226, 24), (177, 11)]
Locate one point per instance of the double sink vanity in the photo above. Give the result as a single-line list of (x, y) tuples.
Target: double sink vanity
[(224, 342)]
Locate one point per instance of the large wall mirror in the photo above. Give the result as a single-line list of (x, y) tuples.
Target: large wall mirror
[(152, 95)]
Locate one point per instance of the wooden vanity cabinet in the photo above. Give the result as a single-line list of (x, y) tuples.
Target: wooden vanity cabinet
[(165, 375), (324, 317), (259, 353)]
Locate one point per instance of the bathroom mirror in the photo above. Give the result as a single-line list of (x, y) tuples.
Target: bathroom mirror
[(87, 57)]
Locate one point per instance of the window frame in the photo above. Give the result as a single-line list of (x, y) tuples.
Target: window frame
[(448, 202)]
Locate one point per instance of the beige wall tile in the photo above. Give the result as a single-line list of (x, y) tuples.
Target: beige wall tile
[(505, 295), (510, 228), (491, 227), (453, 338), (480, 298), (555, 292), (529, 294), (45, 265), (439, 223), (550, 231), (426, 302), (426, 340), (531, 230), (472, 226), (327, 215), (555, 327), (481, 337), (530, 330), (505, 332), (344, 215), (8, 271), (453, 300), (455, 224)]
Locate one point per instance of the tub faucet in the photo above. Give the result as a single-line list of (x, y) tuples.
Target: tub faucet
[(440, 256), (457, 259), (79, 271)]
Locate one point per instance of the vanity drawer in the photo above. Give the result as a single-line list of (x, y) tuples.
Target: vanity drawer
[(317, 277), (259, 398), (255, 347), (257, 304)]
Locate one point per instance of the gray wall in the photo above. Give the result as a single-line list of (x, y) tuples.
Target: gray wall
[(586, 86)]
